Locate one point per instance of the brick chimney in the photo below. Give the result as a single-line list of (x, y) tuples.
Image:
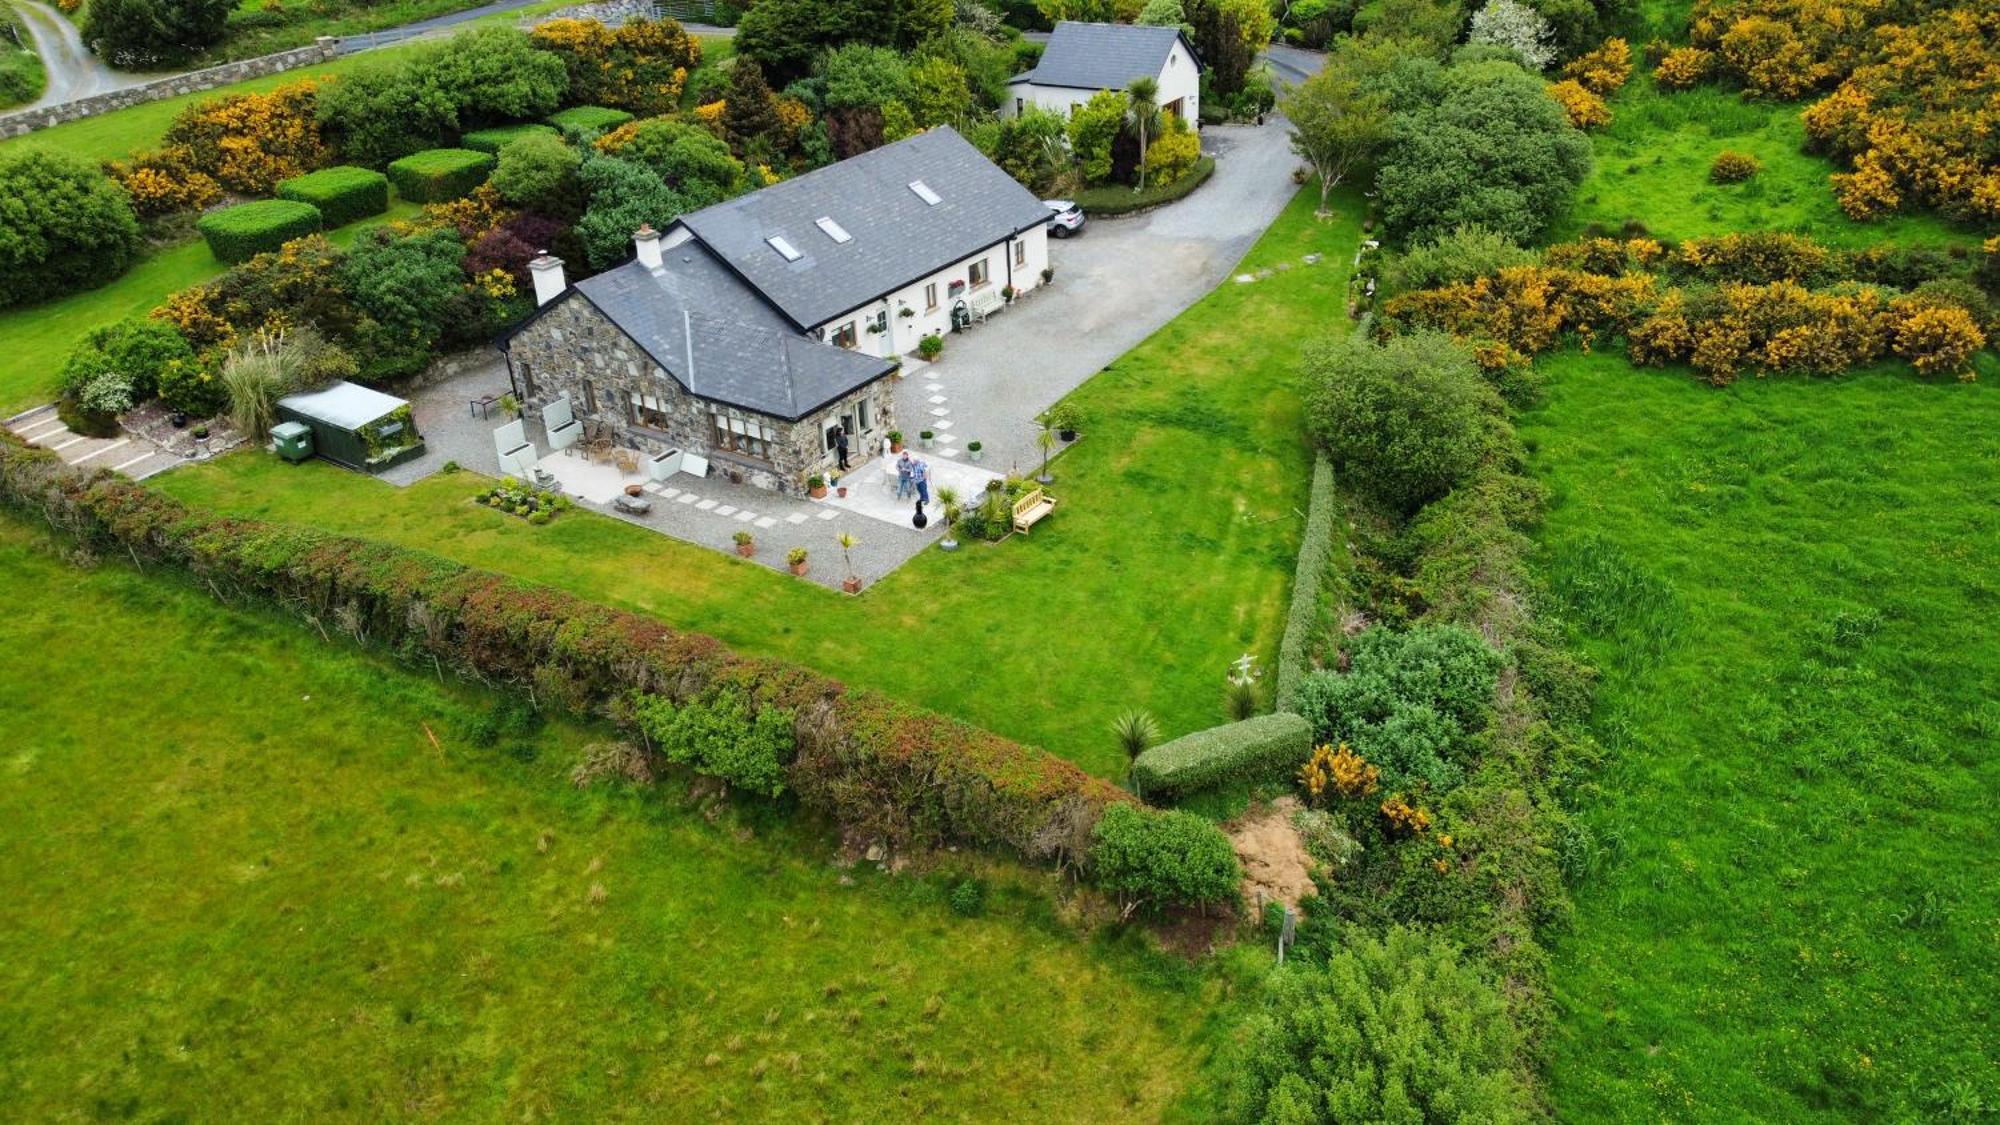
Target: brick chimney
[(548, 274), (647, 240)]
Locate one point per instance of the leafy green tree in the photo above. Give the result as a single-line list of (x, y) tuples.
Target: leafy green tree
[(750, 112), (919, 21), (623, 195), (1467, 252), (1396, 1030), (404, 285), (1030, 147), (720, 737), (1337, 124), (64, 225), (785, 36), (861, 75), (493, 74), (1410, 702), (538, 172), (1432, 24), (1093, 127), (139, 349), (1403, 420), (1493, 149), (1166, 13), (147, 33), (1160, 859), (939, 92), (384, 112), (688, 158)]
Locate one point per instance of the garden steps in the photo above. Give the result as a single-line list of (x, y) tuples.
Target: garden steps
[(127, 453)]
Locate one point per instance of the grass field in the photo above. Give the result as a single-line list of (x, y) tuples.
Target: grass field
[(1652, 166), (1791, 586), (243, 883), (1171, 555), (22, 78), (37, 339)]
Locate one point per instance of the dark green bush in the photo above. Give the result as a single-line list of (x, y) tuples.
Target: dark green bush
[(342, 194), (1408, 703), (1315, 552), (140, 350), (1402, 420), (1261, 748), (588, 122), (440, 174), (1161, 859), (968, 899), (500, 136), (64, 225), (719, 736), (239, 233)]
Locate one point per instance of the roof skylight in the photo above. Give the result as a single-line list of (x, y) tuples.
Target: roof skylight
[(925, 193), (833, 230), (790, 252)]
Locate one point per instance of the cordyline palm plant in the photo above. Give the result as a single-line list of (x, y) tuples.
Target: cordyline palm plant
[(1135, 730), (1142, 116)]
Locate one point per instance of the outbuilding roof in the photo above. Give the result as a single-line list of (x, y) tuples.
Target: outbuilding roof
[(344, 405), (1104, 56), (906, 210)]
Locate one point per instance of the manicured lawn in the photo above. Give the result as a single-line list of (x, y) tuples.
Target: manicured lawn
[(242, 882), (1652, 166), (1791, 586), (38, 338), (1171, 555)]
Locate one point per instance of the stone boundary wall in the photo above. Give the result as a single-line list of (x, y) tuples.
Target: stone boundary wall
[(610, 13), (26, 121)]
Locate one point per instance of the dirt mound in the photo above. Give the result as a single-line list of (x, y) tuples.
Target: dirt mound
[(1274, 858)]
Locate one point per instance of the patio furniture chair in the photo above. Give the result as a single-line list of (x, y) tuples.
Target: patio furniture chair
[(627, 460)]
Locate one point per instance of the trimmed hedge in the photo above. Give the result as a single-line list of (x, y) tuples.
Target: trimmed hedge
[(439, 174), (242, 232), (877, 767), (586, 122), (1315, 549), (1117, 199), (1256, 749), (343, 194), (500, 136)]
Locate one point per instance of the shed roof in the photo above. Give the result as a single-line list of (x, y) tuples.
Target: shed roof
[(896, 235), (1104, 56), (347, 406)]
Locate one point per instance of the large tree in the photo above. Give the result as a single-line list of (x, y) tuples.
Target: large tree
[(147, 33), (1337, 124), (63, 225), (1403, 419)]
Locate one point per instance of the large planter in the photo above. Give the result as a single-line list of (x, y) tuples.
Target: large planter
[(850, 585), (747, 550), (799, 569), (817, 492)]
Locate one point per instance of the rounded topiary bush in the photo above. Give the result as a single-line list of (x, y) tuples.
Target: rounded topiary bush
[(343, 194), (440, 174), (500, 136), (236, 234), (1733, 167), (64, 225)]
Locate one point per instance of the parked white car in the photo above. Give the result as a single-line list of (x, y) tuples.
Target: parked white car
[(1065, 217)]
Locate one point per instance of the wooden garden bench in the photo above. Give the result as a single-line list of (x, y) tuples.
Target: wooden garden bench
[(1032, 506)]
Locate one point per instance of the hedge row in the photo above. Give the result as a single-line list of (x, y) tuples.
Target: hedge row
[(239, 233), (1257, 749), (439, 174), (879, 768), (1117, 199), (1315, 549), (587, 122), (343, 194), (500, 136)]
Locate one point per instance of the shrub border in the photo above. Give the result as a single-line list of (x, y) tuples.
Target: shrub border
[(1315, 551)]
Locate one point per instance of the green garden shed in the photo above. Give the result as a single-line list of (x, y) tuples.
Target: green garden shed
[(356, 426)]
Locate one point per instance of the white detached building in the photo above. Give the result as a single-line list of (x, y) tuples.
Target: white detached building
[(1084, 58)]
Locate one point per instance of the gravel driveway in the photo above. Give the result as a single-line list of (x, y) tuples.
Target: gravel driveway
[(1115, 284)]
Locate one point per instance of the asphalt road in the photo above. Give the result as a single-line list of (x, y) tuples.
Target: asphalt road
[(73, 71)]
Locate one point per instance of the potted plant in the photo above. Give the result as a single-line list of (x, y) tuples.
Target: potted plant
[(1008, 293), (1063, 418), (895, 441), (745, 544), (974, 449), (852, 583), (839, 489), (1048, 274), (931, 346), (926, 437), (797, 558), (816, 487), (906, 312), (948, 498), (510, 406)]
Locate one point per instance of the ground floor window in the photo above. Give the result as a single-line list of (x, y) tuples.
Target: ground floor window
[(646, 410), (739, 434), (930, 296), (844, 337), (589, 398), (862, 421), (527, 379), (979, 274), (1020, 253)]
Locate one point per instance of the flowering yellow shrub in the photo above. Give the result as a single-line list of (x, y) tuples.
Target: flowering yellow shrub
[(710, 114), (1172, 156), (249, 142), (1937, 339), (1732, 167), (1756, 256), (1403, 818), (1586, 110), (165, 181), (1341, 773), (1603, 72), (639, 66), (473, 215), (1683, 67), (793, 115)]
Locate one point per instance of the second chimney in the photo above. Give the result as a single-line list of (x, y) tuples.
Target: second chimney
[(548, 274), (647, 240)]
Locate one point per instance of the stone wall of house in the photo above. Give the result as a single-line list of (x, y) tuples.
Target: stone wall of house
[(574, 350), (193, 82)]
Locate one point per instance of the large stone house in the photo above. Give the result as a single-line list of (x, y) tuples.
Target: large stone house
[(746, 332), (1084, 58)]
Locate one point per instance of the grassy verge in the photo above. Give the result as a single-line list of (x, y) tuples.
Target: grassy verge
[(22, 78), (1117, 199), (244, 881), (1170, 557), (1789, 585), (1652, 166), (38, 339), (261, 27)]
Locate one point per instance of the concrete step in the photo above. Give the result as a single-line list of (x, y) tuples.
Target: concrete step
[(30, 419), (152, 464)]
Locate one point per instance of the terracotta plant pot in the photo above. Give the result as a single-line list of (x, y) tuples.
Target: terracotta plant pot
[(799, 569), (851, 585), (634, 490), (895, 447), (818, 493), (746, 549)]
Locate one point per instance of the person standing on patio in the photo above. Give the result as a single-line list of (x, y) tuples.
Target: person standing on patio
[(920, 475), (840, 446), (903, 481)]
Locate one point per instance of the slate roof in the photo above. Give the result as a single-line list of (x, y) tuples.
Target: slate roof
[(1103, 56), (897, 236), (720, 341)]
